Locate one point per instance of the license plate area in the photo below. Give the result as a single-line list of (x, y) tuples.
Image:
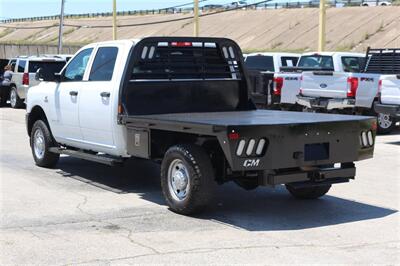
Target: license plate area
[(316, 151)]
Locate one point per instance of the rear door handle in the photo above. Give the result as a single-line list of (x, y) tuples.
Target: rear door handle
[(105, 94), (73, 93)]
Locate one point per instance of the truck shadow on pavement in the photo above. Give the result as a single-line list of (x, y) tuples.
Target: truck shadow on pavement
[(262, 209)]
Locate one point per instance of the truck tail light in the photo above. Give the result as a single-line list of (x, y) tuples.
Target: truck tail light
[(278, 84), (352, 86), (25, 79)]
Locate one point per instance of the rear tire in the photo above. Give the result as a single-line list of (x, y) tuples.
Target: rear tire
[(15, 101), (308, 192), (386, 123), (41, 140), (187, 179)]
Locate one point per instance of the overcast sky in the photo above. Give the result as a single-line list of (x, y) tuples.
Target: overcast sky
[(33, 8)]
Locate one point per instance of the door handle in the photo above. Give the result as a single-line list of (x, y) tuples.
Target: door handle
[(105, 94), (73, 93)]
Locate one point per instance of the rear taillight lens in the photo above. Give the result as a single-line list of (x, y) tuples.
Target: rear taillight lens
[(379, 86), (352, 86), (278, 84), (25, 79)]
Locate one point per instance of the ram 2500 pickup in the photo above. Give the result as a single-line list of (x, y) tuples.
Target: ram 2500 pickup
[(184, 102), (287, 84)]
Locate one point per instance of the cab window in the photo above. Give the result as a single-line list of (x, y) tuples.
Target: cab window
[(316, 61), (77, 66), (103, 64), (21, 66), (352, 63)]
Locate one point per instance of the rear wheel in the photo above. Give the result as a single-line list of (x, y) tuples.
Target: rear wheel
[(308, 192), (15, 101), (386, 123), (41, 142), (187, 179)]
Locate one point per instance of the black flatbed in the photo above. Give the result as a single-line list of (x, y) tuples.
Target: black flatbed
[(235, 118)]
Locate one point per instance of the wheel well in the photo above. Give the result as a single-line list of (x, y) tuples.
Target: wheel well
[(36, 114)]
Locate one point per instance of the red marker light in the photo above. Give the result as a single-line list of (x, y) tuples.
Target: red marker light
[(181, 44), (374, 126), (233, 136)]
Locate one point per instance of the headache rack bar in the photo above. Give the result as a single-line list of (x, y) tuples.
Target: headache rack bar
[(169, 62), (383, 61)]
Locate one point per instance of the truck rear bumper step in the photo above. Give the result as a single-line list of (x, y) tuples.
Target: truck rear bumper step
[(389, 109), (87, 156), (328, 104), (310, 178)]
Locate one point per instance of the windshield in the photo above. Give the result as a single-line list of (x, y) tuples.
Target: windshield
[(316, 61), (260, 62)]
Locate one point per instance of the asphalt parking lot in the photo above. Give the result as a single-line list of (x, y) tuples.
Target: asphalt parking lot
[(86, 213)]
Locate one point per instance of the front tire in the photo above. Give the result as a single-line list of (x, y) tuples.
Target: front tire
[(314, 192), (187, 179), (15, 101), (386, 123), (41, 141)]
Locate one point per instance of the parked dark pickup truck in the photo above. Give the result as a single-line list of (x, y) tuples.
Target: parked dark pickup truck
[(184, 102)]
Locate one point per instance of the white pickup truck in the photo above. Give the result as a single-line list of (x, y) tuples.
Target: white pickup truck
[(352, 92), (184, 102), (261, 68), (388, 105), (287, 83)]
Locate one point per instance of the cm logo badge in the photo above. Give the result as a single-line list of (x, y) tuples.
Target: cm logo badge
[(251, 163)]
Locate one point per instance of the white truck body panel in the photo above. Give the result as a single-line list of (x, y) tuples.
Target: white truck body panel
[(390, 89), (336, 86), (74, 119), (292, 81)]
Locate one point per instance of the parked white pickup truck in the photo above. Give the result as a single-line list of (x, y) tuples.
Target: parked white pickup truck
[(261, 68), (287, 83), (352, 92), (184, 102)]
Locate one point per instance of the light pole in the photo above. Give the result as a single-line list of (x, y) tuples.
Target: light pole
[(60, 29), (114, 19), (196, 18), (321, 29)]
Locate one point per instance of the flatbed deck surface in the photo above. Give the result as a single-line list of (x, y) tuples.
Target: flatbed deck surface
[(246, 118)]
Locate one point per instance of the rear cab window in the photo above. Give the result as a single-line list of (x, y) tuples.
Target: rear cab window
[(289, 61), (352, 63), (260, 62), (316, 61), (103, 64)]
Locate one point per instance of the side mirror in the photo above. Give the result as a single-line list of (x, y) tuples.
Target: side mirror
[(39, 75)]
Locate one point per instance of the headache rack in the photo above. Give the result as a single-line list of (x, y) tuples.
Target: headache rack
[(184, 60), (383, 61)]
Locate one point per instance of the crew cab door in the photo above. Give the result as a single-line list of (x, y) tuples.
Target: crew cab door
[(96, 100), (65, 117)]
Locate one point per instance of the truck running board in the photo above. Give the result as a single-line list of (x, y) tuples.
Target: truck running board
[(87, 156)]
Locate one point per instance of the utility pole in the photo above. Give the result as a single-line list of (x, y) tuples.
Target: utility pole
[(196, 18), (322, 23), (114, 19), (60, 29)]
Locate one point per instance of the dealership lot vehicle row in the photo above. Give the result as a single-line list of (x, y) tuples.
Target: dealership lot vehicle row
[(90, 213)]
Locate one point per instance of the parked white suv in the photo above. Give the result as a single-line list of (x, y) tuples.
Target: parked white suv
[(25, 68)]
